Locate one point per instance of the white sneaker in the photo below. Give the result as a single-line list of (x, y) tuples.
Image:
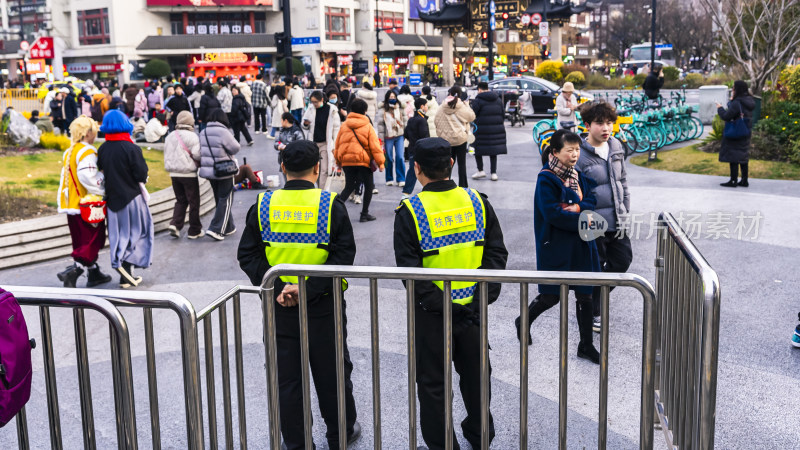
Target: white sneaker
[(230, 232), (215, 235), (352, 197), (198, 235), (390, 183), (357, 200), (479, 174), (270, 137), (173, 231), (494, 177), (402, 184), (375, 191), (258, 132)]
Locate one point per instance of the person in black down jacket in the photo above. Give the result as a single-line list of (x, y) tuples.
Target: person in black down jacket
[(653, 82), (240, 116), (736, 152), (70, 109), (208, 102), (416, 129), (179, 102), (490, 136)]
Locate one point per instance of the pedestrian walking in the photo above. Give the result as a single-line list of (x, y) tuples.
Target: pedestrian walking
[(602, 159), (290, 132), (490, 134), (475, 242), (268, 241), (296, 99), (129, 93), (217, 144), (367, 94), (130, 224), (240, 116), (566, 105), (357, 148), (391, 124), (57, 112), (79, 179), (279, 105), (735, 150), (225, 96), (321, 120), (433, 107), (178, 103), (453, 124), (208, 102), (260, 104), (181, 160), (416, 129), (406, 101), (562, 193), (70, 108)]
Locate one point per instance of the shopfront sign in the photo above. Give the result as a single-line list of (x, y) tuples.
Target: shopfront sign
[(386, 61), (434, 60), (209, 3), (401, 60), (78, 67), (345, 60), (360, 66), (42, 48), (421, 59), (231, 58), (106, 67)]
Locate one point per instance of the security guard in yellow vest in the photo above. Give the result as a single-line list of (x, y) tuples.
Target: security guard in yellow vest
[(300, 224), (446, 226)]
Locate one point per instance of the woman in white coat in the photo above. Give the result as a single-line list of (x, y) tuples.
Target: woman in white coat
[(279, 105)]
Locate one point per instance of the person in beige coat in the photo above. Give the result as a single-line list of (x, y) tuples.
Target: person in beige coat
[(371, 98), (452, 124), (433, 107)]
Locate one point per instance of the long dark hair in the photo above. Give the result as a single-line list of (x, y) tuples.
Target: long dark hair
[(740, 89), (218, 115), (386, 105), (454, 92)]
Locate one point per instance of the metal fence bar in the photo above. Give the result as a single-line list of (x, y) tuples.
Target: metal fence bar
[(237, 342), (84, 380), (50, 379), (376, 363), (152, 379), (22, 430), (486, 380), (562, 367), (304, 362), (226, 376), (210, 384), (117, 386), (338, 311), (602, 433), (270, 350), (523, 367), (412, 365), (448, 365)]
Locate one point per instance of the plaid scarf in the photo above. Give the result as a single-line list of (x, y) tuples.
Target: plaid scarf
[(567, 174)]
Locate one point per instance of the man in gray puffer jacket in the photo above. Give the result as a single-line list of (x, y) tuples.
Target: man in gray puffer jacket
[(603, 160)]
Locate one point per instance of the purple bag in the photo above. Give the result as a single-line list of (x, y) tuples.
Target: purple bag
[(15, 358)]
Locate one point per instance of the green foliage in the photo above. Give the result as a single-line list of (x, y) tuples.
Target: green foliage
[(576, 78), (297, 67), (671, 73), (776, 136), (717, 127), (793, 85), (569, 68), (550, 70), (693, 80), (156, 68), (639, 78)]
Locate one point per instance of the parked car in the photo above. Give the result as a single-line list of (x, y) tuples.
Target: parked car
[(543, 93)]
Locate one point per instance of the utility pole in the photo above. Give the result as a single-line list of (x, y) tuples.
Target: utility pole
[(377, 79), (652, 35), (287, 30), (22, 38), (490, 39)]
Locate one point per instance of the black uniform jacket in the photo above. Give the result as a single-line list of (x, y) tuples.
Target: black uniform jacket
[(408, 253), (342, 251)]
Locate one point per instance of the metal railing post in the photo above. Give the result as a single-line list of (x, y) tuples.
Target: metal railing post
[(240, 401), (304, 361), (84, 380), (448, 365), (50, 380), (523, 366), (602, 438), (412, 365), (270, 350), (562, 372), (338, 308), (152, 379), (376, 363), (486, 381)]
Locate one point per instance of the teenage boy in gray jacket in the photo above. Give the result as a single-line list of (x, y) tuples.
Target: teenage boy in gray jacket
[(603, 160)]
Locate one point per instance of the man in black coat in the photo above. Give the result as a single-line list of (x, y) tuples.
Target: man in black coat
[(176, 104), (70, 109), (653, 82), (416, 129), (490, 136)]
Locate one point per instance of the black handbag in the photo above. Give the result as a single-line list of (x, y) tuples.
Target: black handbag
[(223, 168), (736, 128)]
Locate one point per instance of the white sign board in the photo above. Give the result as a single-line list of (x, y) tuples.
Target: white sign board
[(536, 19), (544, 40), (544, 29)]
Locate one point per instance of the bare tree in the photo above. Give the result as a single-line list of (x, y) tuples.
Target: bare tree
[(758, 35), (689, 30), (628, 29)]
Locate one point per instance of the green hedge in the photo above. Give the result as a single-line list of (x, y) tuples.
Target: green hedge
[(776, 137)]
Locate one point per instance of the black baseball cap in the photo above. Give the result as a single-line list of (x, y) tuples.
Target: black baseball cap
[(300, 156), (433, 153)]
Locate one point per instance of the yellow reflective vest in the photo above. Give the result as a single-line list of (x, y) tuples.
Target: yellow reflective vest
[(451, 227)]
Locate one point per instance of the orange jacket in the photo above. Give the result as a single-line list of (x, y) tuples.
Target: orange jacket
[(351, 152)]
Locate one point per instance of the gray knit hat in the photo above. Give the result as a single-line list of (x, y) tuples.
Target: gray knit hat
[(185, 121)]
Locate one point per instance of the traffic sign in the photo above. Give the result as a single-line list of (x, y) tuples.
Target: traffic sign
[(24, 46), (525, 19), (492, 7), (544, 29), (536, 19), (544, 40), (492, 23), (305, 40)]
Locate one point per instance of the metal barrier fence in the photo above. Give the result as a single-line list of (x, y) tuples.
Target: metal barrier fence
[(22, 100), (108, 302), (689, 314)]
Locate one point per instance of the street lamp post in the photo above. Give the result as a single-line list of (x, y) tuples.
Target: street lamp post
[(652, 34)]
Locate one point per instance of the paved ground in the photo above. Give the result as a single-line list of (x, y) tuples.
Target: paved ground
[(758, 376)]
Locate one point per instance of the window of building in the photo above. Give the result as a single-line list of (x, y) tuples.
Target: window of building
[(337, 24), (93, 27), (388, 20)]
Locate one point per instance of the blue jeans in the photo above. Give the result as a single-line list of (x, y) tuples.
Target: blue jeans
[(394, 152), (298, 115), (411, 177), (273, 131)]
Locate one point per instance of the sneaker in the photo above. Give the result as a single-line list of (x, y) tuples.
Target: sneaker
[(796, 340), (230, 232), (390, 183), (589, 353), (270, 137), (596, 324), (366, 218), (353, 437), (250, 144), (357, 199), (479, 174), (197, 236), (494, 177), (402, 184), (215, 235), (257, 132), (375, 191), (127, 278), (173, 231), (352, 197)]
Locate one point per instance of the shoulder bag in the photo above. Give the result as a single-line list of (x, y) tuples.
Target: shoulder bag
[(736, 128), (373, 166), (223, 168)]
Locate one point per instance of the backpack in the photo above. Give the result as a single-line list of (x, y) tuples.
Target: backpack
[(97, 110), (15, 358)]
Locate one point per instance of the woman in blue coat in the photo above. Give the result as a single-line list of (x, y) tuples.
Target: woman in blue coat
[(562, 193)]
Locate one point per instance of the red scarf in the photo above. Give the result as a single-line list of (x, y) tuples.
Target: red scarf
[(118, 137)]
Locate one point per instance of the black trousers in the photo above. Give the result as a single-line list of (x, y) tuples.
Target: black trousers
[(583, 312), (459, 154), (354, 176), (260, 118), (430, 378), (492, 163), (735, 171), (187, 195), (241, 128), (322, 358), (616, 255)]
